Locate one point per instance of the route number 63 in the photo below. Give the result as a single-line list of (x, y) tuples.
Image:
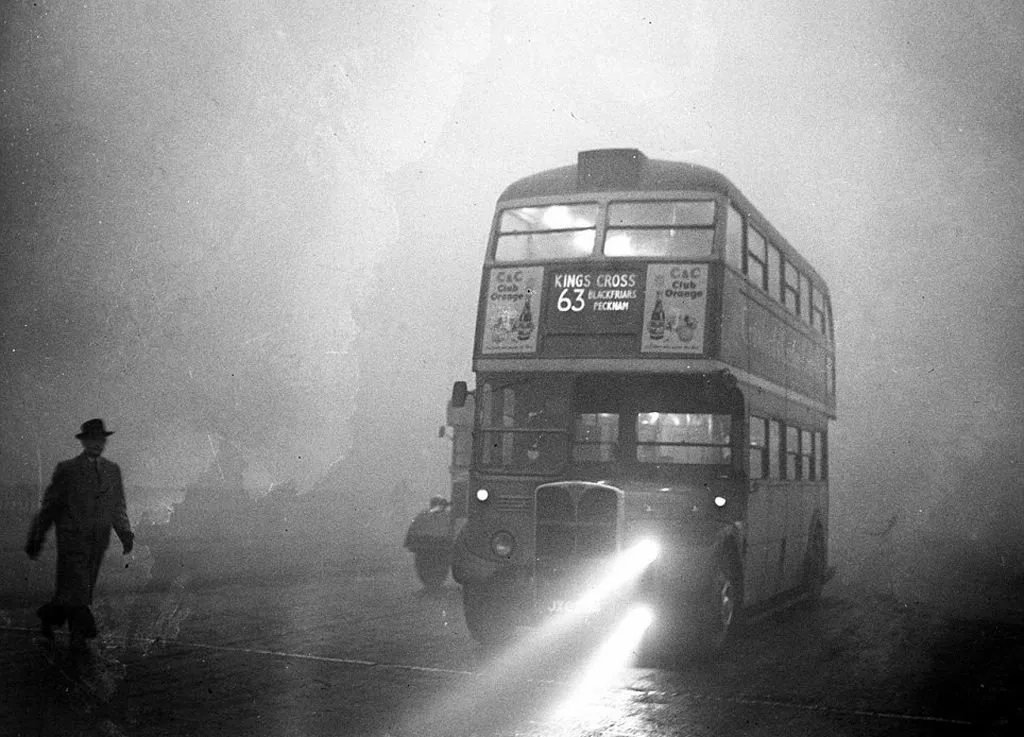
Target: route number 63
[(571, 300)]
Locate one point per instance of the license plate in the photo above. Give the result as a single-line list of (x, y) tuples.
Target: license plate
[(571, 606)]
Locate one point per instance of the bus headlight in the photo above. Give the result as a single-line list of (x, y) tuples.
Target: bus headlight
[(641, 555), (502, 544)]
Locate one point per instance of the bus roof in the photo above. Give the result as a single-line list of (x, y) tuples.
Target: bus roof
[(617, 169), (628, 169)]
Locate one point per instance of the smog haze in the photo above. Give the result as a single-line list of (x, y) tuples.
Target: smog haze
[(262, 226)]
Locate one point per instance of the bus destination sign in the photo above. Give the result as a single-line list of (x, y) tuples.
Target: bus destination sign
[(513, 299), (593, 302), (675, 308)]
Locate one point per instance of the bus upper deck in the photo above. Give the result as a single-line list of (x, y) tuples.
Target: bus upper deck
[(625, 263)]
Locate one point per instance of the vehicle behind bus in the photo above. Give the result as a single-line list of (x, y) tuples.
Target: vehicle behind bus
[(430, 535)]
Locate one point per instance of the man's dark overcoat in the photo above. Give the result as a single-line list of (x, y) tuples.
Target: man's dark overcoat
[(84, 500)]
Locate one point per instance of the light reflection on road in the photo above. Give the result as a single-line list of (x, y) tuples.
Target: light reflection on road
[(605, 670)]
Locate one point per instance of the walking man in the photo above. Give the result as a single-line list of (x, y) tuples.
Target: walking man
[(83, 501)]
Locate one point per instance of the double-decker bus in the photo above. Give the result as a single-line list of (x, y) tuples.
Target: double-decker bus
[(653, 362)]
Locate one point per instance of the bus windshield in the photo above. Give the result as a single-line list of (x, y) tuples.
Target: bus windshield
[(678, 229), (661, 228), (523, 425), (543, 424), (551, 231)]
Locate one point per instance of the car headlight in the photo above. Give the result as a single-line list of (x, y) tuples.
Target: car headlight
[(502, 544)]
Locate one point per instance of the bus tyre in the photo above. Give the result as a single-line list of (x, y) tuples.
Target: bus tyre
[(815, 565), (487, 616), (719, 606), (431, 567)]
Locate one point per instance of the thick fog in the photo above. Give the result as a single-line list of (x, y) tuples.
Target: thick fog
[(257, 229)]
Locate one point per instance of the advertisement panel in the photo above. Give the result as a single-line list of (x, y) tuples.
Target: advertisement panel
[(513, 300), (675, 308)]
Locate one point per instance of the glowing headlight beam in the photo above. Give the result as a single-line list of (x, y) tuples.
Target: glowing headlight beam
[(518, 659), (627, 567), (607, 665)]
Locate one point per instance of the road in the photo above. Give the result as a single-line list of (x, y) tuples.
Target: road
[(359, 648)]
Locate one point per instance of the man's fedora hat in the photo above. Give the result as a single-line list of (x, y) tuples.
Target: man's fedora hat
[(93, 429)]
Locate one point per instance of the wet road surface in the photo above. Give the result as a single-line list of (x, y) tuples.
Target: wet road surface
[(361, 649)]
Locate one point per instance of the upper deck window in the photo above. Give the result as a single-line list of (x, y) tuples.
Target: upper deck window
[(818, 311), (774, 277), (677, 229), (805, 298), (734, 238), (791, 288), (551, 231), (757, 261)]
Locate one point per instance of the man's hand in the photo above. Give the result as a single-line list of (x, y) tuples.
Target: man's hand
[(128, 542)]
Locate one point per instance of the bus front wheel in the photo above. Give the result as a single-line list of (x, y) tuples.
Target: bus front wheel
[(719, 605), (487, 614)]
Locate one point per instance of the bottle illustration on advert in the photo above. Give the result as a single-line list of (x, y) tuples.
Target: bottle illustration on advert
[(524, 324), (656, 325)]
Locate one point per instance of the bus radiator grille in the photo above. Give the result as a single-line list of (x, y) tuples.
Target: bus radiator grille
[(575, 521)]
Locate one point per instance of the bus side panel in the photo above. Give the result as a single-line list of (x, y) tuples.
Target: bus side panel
[(803, 500), (756, 337), (768, 341), (766, 531), (805, 358), (814, 509)]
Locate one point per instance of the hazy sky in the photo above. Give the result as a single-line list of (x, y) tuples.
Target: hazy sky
[(263, 223)]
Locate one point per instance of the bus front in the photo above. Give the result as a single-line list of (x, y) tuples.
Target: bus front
[(607, 436)]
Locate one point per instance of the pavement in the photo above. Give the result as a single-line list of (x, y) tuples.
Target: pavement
[(360, 648)]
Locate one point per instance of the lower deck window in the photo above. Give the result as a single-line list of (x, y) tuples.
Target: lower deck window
[(596, 437), (673, 437), (758, 442), (774, 450), (807, 470), (792, 453)]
